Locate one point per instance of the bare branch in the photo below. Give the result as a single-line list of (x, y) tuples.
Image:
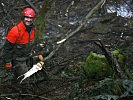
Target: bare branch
[(17, 94), (77, 29), (69, 6)]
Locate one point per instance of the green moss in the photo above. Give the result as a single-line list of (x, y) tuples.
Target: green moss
[(96, 66), (119, 56), (115, 52)]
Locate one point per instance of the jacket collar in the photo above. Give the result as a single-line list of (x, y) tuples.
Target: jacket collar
[(21, 25)]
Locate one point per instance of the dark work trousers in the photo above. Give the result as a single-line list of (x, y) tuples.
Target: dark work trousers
[(20, 67)]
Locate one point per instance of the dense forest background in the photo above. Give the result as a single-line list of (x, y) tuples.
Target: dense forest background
[(93, 63)]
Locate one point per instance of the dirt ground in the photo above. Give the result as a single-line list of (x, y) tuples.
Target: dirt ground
[(63, 77)]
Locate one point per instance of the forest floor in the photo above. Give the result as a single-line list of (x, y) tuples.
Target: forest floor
[(64, 77)]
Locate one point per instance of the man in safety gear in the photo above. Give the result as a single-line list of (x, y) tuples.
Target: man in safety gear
[(19, 42)]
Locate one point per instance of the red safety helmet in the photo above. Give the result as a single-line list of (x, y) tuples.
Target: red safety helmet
[(28, 12)]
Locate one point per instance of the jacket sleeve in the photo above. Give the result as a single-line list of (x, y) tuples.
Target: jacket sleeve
[(12, 35), (7, 51)]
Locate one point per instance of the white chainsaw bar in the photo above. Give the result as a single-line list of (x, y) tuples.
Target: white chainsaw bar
[(33, 70)]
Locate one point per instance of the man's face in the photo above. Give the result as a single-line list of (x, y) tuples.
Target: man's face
[(28, 20)]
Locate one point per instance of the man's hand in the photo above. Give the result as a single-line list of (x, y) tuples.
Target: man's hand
[(40, 57), (40, 64), (8, 65)]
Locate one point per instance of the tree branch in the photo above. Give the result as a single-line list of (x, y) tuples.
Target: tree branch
[(17, 94), (60, 43)]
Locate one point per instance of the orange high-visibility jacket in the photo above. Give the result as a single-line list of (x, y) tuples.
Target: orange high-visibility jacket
[(19, 35), (19, 42)]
